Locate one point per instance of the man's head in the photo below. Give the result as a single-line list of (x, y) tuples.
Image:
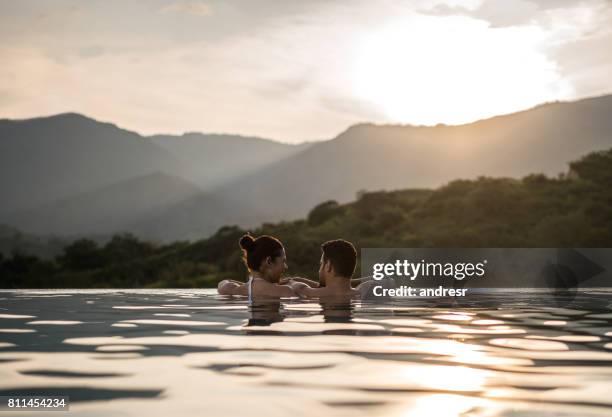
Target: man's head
[(339, 259)]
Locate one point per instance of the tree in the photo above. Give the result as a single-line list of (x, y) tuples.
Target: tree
[(82, 254), (125, 247), (595, 167), (323, 212)]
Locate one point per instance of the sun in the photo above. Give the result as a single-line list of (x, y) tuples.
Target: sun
[(429, 70)]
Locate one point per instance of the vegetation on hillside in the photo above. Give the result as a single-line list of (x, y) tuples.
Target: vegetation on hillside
[(535, 211)]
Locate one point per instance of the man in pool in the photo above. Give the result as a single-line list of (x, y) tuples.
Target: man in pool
[(336, 269)]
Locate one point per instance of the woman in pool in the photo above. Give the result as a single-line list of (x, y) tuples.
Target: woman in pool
[(266, 261)]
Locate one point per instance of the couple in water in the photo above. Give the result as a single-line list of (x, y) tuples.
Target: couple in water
[(266, 261)]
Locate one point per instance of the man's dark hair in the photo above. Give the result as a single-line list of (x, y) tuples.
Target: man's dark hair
[(342, 256)]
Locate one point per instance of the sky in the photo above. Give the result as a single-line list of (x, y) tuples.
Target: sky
[(297, 70)]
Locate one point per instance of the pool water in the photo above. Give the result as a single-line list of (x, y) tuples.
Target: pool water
[(193, 352)]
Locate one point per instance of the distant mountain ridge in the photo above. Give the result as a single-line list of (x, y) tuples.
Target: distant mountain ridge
[(373, 157), (113, 207), (214, 159), (48, 165), (49, 158), (69, 174)]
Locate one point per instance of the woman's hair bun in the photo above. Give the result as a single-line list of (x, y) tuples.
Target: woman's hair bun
[(247, 242)]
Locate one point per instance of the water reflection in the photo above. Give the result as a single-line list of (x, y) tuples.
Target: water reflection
[(446, 405), (337, 310), (264, 313), (167, 352)]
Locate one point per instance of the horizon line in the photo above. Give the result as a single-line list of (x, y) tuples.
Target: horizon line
[(306, 141)]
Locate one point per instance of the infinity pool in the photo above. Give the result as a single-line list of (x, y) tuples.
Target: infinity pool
[(193, 352)]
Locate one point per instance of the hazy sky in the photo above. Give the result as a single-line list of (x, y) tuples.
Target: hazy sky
[(296, 70)]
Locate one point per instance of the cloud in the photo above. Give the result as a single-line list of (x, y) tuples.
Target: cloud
[(499, 13), (503, 13), (197, 8), (8, 97), (361, 110), (91, 51), (275, 69), (283, 88)]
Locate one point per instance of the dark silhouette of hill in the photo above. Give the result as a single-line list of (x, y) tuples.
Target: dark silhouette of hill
[(214, 159), (14, 241), (247, 181), (50, 158), (69, 174), (370, 157), (114, 208)]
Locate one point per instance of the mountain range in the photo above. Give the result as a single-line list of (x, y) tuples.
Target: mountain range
[(71, 175)]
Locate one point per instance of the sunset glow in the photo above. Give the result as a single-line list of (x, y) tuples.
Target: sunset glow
[(295, 71), (454, 70)]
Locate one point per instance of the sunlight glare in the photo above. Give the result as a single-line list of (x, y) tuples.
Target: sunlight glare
[(429, 70), (443, 405)]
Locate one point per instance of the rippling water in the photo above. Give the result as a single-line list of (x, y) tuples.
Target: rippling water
[(182, 352)]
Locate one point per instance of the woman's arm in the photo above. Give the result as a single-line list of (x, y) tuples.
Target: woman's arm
[(303, 290), (278, 290), (231, 287), (309, 282)]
